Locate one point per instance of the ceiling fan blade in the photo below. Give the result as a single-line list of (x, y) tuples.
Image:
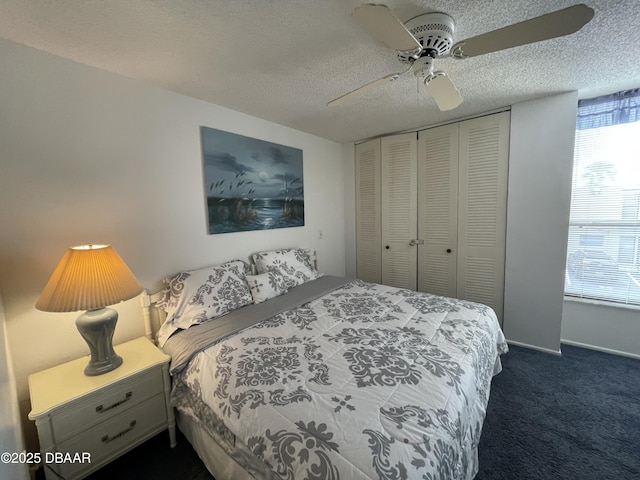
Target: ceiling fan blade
[(552, 25), (385, 26), (352, 95), (444, 92)]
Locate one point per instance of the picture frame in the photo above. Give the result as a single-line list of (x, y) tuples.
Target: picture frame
[(250, 184)]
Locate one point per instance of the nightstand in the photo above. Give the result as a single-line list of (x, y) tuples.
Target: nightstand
[(96, 419)]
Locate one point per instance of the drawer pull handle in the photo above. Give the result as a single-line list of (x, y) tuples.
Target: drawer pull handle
[(107, 438), (127, 397)]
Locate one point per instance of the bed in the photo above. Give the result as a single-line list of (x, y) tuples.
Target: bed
[(322, 377)]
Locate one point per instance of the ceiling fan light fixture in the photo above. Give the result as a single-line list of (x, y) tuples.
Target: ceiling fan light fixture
[(423, 67), (443, 91)]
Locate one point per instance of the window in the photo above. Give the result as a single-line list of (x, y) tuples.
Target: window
[(603, 257)]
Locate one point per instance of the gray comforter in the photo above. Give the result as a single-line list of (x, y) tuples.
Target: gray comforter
[(355, 382)]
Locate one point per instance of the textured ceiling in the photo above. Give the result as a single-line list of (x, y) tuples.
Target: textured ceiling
[(283, 60)]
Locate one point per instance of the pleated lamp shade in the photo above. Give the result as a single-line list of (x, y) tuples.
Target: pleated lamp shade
[(87, 278)]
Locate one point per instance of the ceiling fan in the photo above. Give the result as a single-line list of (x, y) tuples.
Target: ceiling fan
[(429, 36)]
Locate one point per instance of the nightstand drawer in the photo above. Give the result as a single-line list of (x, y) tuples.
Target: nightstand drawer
[(107, 440), (107, 403)]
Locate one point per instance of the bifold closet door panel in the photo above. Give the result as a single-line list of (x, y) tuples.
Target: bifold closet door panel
[(399, 202), (438, 210), (431, 209), (484, 154), (368, 214)]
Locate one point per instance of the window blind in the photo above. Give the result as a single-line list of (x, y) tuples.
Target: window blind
[(603, 255)]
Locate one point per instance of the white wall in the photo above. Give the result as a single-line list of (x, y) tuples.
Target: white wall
[(602, 327), (10, 431), (90, 157), (540, 167)]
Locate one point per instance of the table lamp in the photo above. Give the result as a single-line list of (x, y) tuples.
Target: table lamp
[(91, 277)]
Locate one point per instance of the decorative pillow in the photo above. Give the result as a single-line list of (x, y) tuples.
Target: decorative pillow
[(199, 295), (267, 285), (294, 263)]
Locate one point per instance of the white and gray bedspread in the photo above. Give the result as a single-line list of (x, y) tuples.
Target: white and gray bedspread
[(359, 381)]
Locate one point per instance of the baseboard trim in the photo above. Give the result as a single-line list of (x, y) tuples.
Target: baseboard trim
[(534, 347), (601, 349)]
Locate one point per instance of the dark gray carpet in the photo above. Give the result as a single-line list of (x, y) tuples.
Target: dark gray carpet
[(549, 417), (575, 416)]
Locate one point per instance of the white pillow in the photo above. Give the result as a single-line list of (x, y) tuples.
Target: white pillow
[(196, 296), (267, 285), (294, 263)]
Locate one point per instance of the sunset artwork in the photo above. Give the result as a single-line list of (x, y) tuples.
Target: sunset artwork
[(251, 184)]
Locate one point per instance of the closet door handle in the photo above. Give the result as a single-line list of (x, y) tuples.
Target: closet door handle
[(448, 250), (387, 247)]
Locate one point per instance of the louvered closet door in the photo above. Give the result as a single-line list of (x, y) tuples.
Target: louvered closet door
[(399, 198), (484, 151), (368, 232), (438, 210)]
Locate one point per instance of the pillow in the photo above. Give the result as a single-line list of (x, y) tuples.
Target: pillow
[(267, 285), (294, 263), (195, 296)]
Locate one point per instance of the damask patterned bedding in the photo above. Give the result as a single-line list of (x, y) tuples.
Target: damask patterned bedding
[(365, 381)]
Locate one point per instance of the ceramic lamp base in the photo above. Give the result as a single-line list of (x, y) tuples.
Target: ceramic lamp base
[(97, 328)]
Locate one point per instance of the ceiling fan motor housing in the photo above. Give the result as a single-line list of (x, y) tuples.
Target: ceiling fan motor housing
[(434, 31)]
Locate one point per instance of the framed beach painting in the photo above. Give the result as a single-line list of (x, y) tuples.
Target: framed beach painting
[(250, 184)]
